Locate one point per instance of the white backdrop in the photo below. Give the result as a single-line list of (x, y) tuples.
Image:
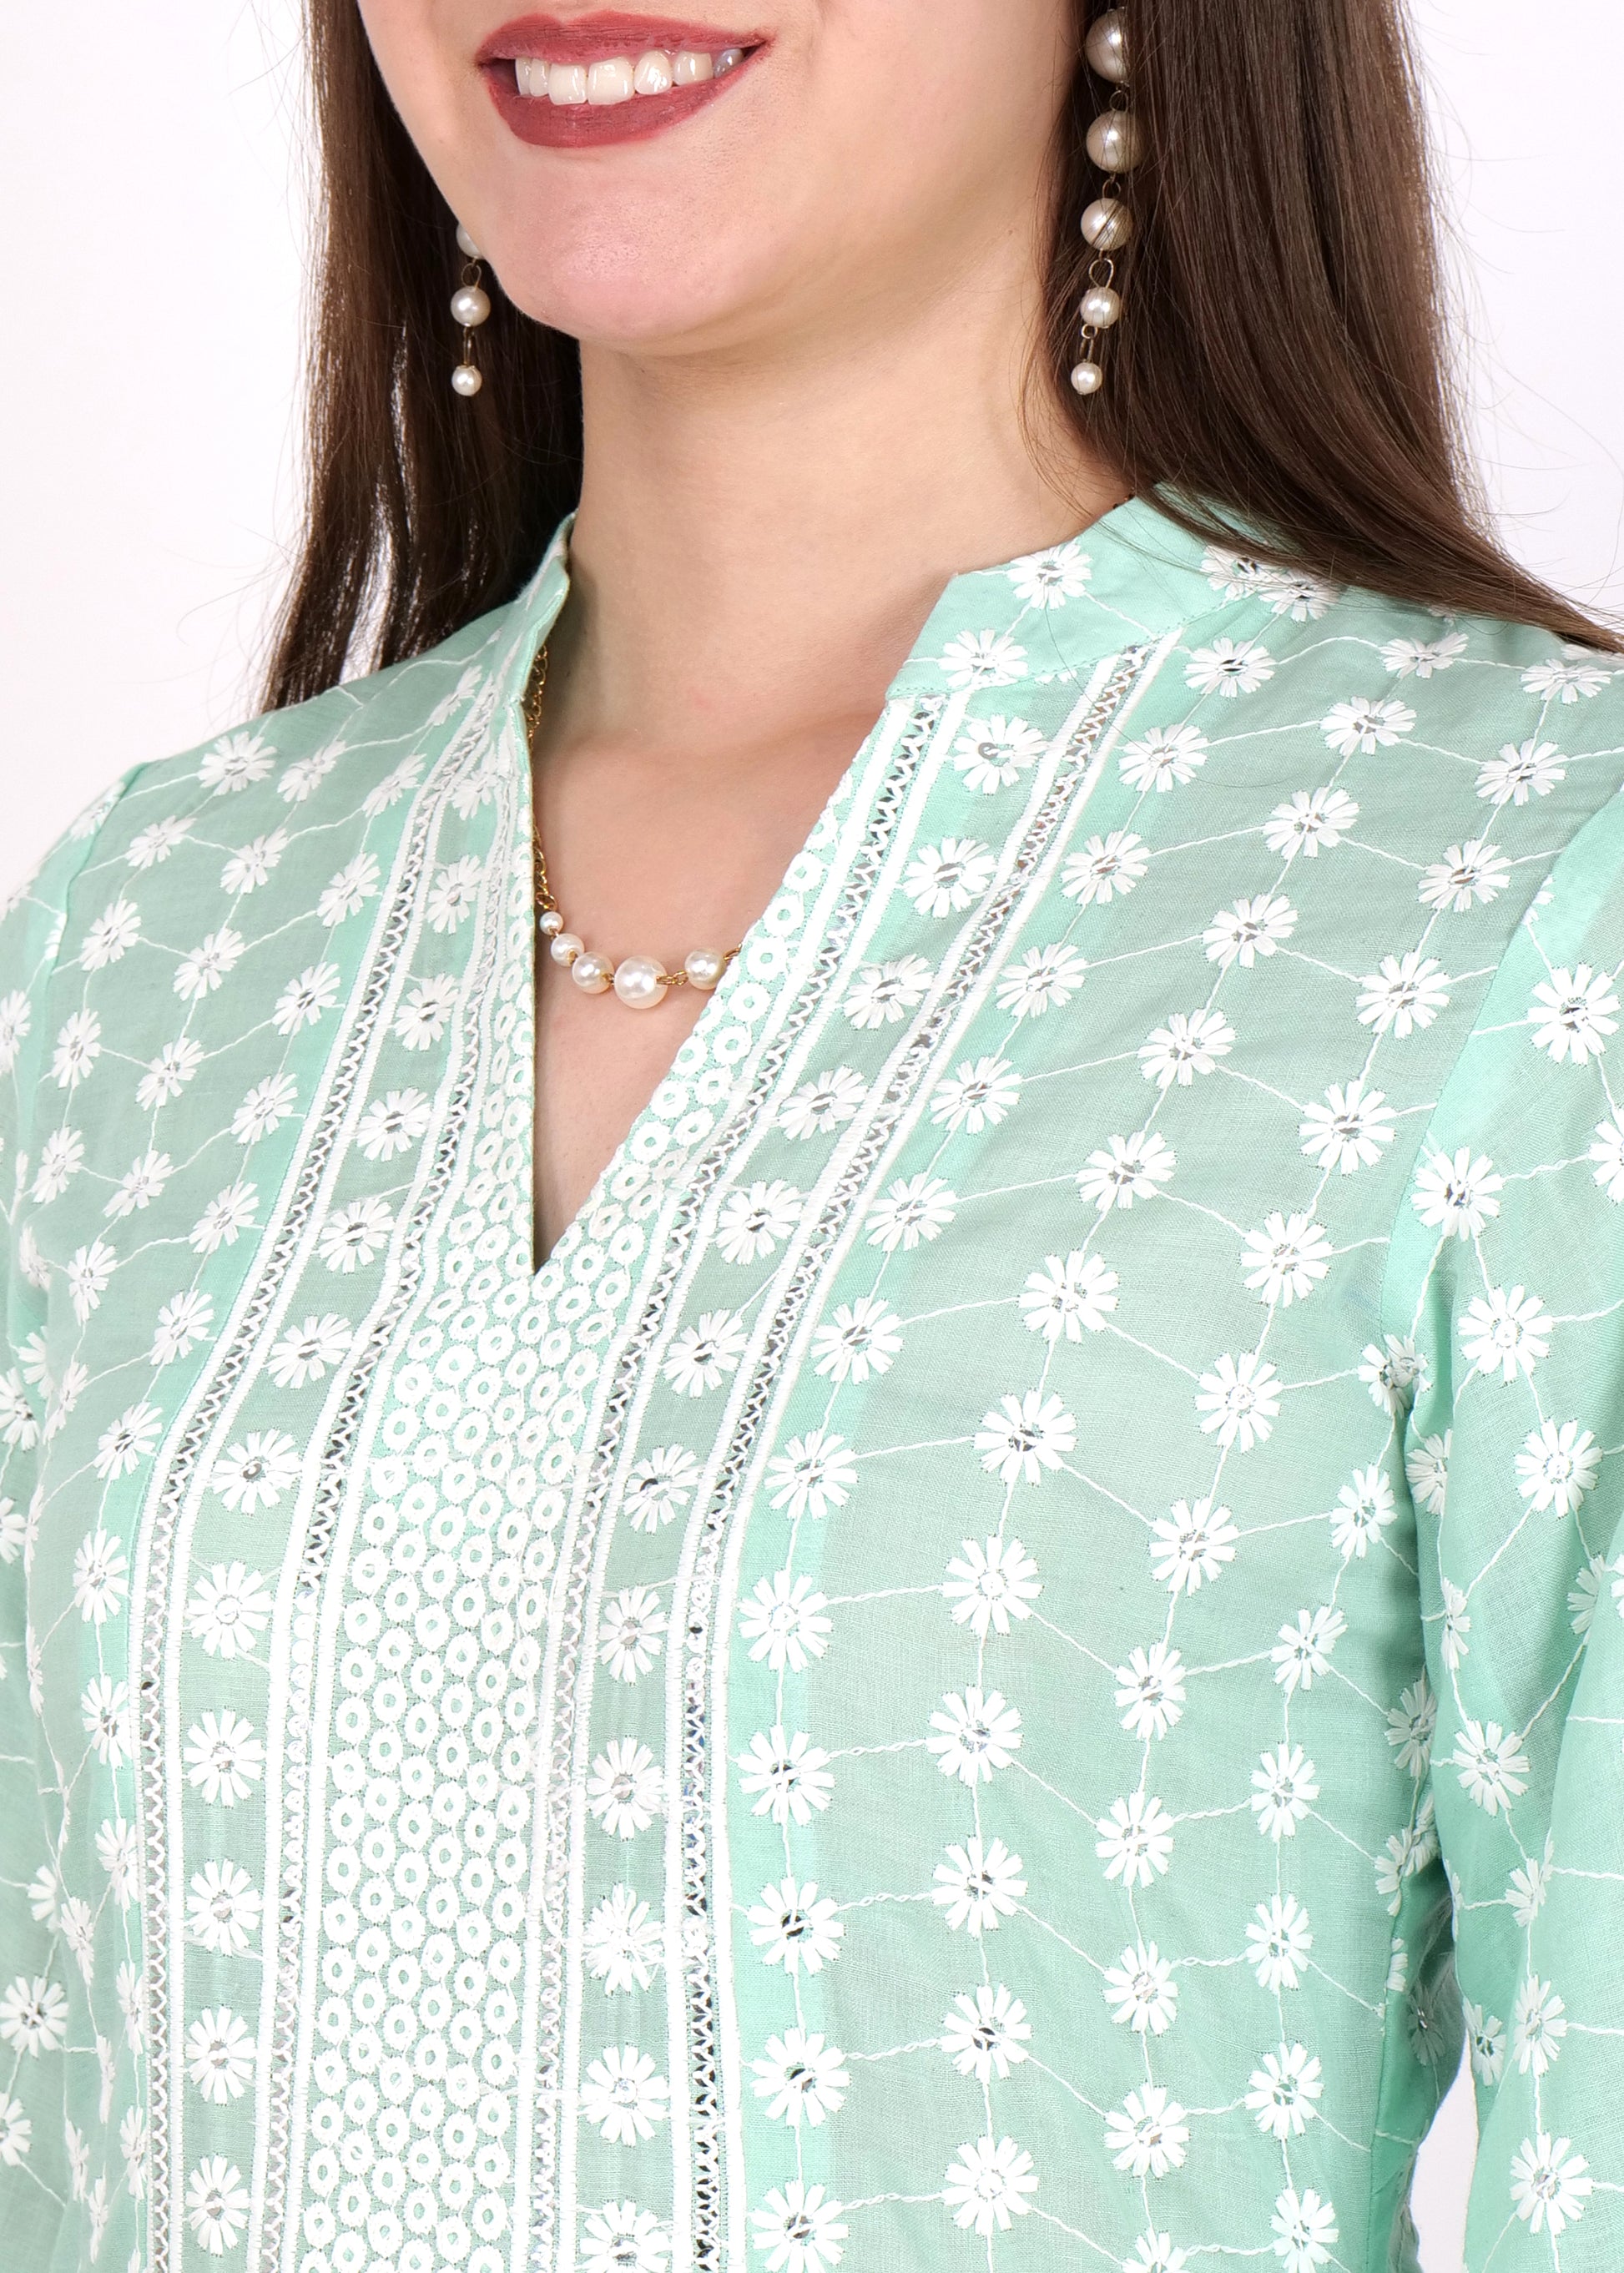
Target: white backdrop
[(151, 178)]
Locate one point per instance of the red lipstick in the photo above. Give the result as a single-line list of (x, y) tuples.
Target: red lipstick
[(593, 39)]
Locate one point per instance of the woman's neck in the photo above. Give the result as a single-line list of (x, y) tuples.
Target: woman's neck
[(762, 535)]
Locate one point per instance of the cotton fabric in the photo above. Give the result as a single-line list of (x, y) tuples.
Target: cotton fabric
[(958, 1680)]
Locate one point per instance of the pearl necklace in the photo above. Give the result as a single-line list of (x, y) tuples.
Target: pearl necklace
[(638, 981)]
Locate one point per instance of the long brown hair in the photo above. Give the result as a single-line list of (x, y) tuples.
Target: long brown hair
[(1283, 359)]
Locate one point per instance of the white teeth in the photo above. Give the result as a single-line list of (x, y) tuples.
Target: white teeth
[(616, 79), (652, 75), (610, 82)]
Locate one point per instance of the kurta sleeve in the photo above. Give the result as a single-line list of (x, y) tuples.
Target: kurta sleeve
[(34, 2177), (1508, 1271)]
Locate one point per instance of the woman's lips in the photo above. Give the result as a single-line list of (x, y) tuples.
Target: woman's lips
[(608, 77)]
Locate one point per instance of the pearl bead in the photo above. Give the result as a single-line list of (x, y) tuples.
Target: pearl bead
[(705, 968), (466, 245), (1101, 307), (467, 378), (1105, 46), (1115, 141), (640, 982), (1087, 378), (593, 973), (566, 946), (550, 923), (1108, 224), (470, 306)]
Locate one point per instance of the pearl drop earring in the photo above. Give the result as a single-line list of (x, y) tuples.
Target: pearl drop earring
[(1115, 143), (471, 304)]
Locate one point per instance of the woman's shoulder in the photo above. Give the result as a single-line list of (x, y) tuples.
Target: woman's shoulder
[(234, 803)]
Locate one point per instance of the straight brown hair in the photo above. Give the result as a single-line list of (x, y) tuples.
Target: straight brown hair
[(1282, 363)]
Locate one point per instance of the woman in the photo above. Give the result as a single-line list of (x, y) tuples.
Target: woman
[(844, 1646)]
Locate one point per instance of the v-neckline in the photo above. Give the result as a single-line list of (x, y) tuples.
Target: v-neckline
[(1129, 557)]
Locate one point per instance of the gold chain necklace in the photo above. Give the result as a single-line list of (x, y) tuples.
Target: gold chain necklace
[(638, 981)]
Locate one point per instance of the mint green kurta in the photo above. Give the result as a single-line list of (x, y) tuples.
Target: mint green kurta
[(938, 1691)]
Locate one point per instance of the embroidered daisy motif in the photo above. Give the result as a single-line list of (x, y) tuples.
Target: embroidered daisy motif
[(793, 1926), (223, 1907), (624, 2096), (1404, 994), (1574, 1015), (1286, 1260), (1278, 1941), (1150, 1691), (266, 1106), (1608, 1153), (1251, 929), (1470, 874), (355, 1233), (1494, 1767), (626, 1788), (224, 1759), (1282, 2092), (1411, 1725), (979, 1885), (1521, 771), (972, 1735), (1306, 2230), (1457, 1194), (703, 1356), (620, 2237), (60, 1161), (812, 1475), (1507, 1332), (1350, 1131), (392, 1124), (1576, 678), (990, 1586), (800, 2228), (945, 879), (802, 2077), (1414, 658), (753, 1224), (1550, 2184), (111, 937), (993, 754), (454, 893), (1024, 1435), (1141, 1991), (1239, 1401), (1192, 1545), (823, 1104), (220, 2055), (1164, 758), (1303, 1653), (861, 1340), (1136, 1840), (784, 1623), (1190, 1043), (1130, 1168), (234, 763), (914, 1210), (304, 1000), (350, 890), (1284, 1786), (987, 2033), (1049, 580), (979, 1095), (634, 1628), (251, 869), (1558, 1466), (787, 1775), (883, 994), (1147, 2136), (1045, 979), (1065, 1300), (1538, 2024), (1106, 869), (1361, 727), (1311, 821), (228, 1610), (988, 2185), (622, 1942), (217, 2204), (1229, 667), (984, 659)]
